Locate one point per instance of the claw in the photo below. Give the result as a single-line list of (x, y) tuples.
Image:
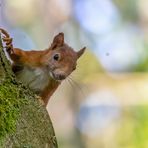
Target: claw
[(6, 39)]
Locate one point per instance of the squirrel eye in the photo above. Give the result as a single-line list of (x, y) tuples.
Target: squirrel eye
[(56, 57)]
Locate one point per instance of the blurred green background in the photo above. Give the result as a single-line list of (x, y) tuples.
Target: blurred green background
[(104, 103)]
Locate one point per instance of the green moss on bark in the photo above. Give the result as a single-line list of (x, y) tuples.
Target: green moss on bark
[(24, 121), (9, 108)]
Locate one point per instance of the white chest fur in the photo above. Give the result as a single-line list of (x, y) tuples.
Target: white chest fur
[(35, 78)]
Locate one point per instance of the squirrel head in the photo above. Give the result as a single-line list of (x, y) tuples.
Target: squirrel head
[(61, 59)]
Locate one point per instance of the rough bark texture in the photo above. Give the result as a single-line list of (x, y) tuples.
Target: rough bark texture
[(24, 121)]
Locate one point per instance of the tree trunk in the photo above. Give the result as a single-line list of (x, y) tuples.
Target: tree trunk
[(24, 121)]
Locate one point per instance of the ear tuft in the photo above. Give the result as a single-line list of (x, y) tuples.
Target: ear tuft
[(58, 40), (80, 52)]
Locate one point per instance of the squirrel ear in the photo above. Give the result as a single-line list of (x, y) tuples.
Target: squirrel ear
[(81, 51), (58, 40)]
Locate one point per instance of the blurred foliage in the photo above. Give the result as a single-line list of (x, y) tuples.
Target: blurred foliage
[(88, 67), (142, 65), (128, 9), (133, 131)]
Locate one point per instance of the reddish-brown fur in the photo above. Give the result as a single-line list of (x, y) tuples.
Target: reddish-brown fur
[(41, 63)]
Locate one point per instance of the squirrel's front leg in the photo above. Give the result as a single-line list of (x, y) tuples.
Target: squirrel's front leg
[(8, 41)]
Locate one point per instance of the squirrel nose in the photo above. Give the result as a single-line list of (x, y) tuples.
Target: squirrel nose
[(61, 76)]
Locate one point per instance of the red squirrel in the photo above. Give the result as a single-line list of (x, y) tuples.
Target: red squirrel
[(43, 71)]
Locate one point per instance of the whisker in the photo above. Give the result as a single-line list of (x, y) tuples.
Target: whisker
[(72, 83), (77, 86), (69, 82)]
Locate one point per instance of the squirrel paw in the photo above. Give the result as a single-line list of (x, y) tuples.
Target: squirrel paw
[(9, 46)]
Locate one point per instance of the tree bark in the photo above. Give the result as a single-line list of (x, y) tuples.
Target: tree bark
[(24, 121)]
